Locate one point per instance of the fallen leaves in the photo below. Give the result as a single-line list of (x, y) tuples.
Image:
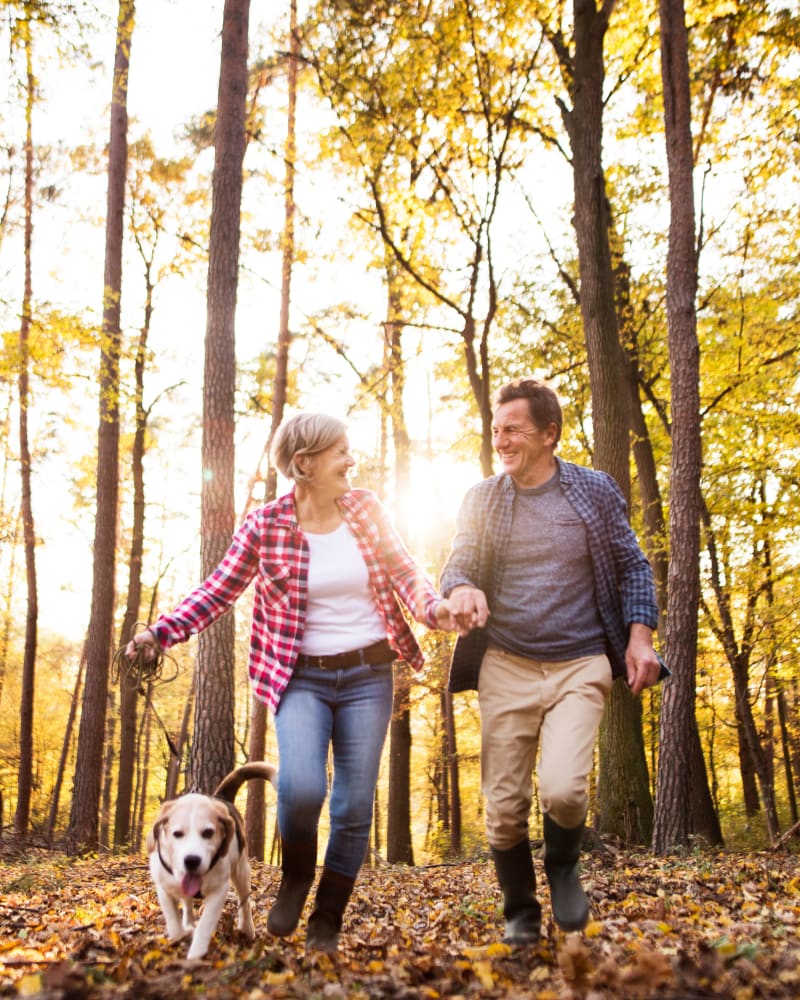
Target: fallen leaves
[(716, 925)]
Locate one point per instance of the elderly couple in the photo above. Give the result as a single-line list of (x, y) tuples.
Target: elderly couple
[(551, 597)]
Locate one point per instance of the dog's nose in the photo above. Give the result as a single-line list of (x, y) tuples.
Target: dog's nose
[(191, 862)]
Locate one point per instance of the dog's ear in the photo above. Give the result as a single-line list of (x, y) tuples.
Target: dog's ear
[(228, 827), (154, 834)]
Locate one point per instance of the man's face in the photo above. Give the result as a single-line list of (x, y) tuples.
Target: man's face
[(525, 451)]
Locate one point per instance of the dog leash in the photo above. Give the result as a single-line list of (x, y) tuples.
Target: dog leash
[(142, 674), (172, 748)]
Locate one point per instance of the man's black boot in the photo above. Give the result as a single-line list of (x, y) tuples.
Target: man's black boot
[(562, 849), (517, 878), (325, 922), (298, 863)]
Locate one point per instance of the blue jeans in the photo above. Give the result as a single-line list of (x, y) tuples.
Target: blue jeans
[(349, 710)]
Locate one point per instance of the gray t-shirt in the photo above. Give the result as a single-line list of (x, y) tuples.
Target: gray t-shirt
[(546, 608)]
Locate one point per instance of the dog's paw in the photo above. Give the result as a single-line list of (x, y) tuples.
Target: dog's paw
[(190, 964), (181, 934), (196, 952), (246, 927)]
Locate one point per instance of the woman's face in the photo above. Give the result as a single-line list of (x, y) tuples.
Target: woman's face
[(329, 470)]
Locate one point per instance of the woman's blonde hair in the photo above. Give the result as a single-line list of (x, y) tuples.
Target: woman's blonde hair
[(304, 434)]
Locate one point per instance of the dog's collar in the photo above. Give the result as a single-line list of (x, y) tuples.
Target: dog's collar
[(163, 862), (216, 857)]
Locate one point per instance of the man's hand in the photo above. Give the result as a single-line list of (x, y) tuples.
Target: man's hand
[(469, 608), (640, 659), (144, 642)]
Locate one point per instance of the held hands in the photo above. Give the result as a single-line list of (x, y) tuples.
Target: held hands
[(445, 618), (469, 608), (143, 642), (641, 660)]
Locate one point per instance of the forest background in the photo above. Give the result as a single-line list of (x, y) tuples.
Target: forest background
[(429, 206)]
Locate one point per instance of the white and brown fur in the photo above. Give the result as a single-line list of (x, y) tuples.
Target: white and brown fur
[(197, 848)]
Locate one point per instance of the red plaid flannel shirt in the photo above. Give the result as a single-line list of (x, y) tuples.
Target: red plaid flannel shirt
[(270, 547)]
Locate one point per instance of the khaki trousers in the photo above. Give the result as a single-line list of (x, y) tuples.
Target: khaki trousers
[(529, 706)]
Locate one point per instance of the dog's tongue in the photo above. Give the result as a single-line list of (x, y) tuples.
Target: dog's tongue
[(190, 885)]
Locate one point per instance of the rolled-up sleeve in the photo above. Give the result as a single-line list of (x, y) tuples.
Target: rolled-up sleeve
[(216, 594)]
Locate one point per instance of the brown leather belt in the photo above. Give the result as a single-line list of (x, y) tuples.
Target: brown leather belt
[(378, 652)]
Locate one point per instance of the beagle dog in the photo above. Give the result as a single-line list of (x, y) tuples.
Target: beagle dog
[(196, 848)]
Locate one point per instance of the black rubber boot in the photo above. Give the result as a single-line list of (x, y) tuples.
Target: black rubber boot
[(562, 849), (299, 864), (325, 922), (517, 878)]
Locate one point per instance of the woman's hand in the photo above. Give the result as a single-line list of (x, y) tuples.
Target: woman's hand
[(144, 642), (445, 617)]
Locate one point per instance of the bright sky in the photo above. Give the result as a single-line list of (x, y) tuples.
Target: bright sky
[(173, 75)]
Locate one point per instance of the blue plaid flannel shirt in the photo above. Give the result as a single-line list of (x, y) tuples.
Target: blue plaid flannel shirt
[(623, 577)]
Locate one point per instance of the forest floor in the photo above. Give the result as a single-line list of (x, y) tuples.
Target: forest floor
[(704, 925)]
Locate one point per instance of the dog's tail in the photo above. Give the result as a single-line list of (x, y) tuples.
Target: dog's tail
[(232, 782)]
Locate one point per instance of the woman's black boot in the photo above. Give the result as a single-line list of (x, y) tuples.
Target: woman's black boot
[(299, 864), (325, 922)]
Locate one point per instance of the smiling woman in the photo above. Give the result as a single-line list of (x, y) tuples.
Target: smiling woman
[(314, 450), (330, 571)]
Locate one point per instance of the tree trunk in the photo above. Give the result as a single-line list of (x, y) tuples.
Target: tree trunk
[(623, 770), (705, 821), (623, 805), (255, 812), (82, 833), (794, 733), (128, 691), (256, 807), (673, 820), (592, 229), (747, 770), (12, 542), (65, 745), (213, 746), (175, 762), (399, 846), (454, 783), (441, 775), (774, 678), (143, 757), (786, 749), (108, 774), (758, 757), (738, 655), (25, 776)]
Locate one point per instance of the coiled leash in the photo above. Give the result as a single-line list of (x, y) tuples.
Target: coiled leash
[(143, 673), (138, 669)]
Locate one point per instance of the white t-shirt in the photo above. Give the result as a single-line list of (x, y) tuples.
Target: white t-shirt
[(342, 612)]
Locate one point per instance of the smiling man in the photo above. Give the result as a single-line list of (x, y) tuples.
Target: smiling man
[(553, 598)]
